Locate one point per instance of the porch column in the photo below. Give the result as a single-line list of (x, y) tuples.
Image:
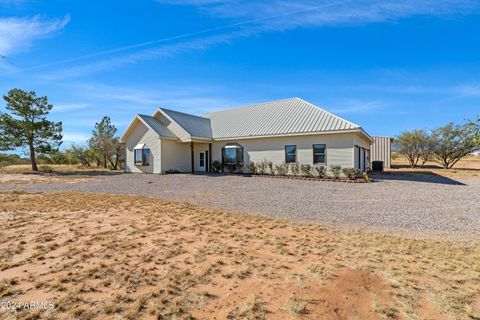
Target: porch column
[(192, 155), (209, 157)]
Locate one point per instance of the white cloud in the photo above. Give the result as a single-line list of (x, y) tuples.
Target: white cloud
[(284, 14), (17, 34), (58, 108), (249, 18), (355, 106), (75, 137)]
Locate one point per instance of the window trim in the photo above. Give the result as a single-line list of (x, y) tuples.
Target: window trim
[(144, 160), (239, 154), (324, 153), (287, 154)]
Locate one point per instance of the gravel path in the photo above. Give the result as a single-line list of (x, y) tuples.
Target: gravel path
[(397, 203)]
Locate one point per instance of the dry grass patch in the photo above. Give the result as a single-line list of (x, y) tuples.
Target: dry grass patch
[(106, 257)]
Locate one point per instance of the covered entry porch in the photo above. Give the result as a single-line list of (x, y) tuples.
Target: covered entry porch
[(200, 156)]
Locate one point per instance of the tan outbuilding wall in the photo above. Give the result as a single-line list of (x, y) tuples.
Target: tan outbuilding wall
[(382, 150)]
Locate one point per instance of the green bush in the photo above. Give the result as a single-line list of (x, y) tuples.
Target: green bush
[(216, 166), (252, 167), (295, 168), (351, 173), (336, 171), (306, 169), (171, 171), (281, 169), (321, 171)]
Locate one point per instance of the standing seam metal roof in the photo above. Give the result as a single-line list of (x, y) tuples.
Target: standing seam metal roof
[(289, 116), (157, 126), (194, 125)]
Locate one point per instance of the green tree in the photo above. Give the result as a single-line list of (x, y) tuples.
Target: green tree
[(82, 154), (451, 143), (415, 146), (27, 125), (104, 143)]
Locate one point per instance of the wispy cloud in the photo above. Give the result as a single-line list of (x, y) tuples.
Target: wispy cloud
[(146, 55), (469, 90), (356, 106), (68, 107), (314, 13), (17, 34), (250, 18)]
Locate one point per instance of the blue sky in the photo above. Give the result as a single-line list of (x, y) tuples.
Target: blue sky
[(389, 65)]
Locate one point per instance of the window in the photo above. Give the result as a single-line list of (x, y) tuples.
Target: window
[(145, 157), (232, 155), (202, 159), (319, 153), (141, 155), (138, 156), (290, 153)]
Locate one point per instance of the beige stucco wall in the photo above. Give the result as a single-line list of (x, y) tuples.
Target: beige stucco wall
[(340, 148), (175, 155), (141, 134)]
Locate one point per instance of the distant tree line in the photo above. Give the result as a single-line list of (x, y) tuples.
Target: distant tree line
[(444, 145), (25, 125)]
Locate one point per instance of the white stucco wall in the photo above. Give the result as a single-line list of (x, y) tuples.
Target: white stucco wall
[(340, 148), (141, 134)]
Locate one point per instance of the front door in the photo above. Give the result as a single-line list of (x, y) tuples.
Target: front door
[(202, 162)]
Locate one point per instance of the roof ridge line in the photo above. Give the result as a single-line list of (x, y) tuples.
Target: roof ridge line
[(330, 113), (188, 114)]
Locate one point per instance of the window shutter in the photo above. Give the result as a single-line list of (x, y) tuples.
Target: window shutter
[(223, 156)]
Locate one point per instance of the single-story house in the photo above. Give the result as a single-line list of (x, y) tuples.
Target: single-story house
[(284, 131)]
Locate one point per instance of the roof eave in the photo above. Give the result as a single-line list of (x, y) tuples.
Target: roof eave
[(126, 133)]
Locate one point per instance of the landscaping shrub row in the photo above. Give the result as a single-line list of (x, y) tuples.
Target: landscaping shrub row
[(294, 170)]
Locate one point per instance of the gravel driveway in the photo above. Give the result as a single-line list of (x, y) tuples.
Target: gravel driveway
[(401, 204)]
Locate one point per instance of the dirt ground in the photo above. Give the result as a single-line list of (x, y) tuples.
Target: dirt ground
[(469, 167), (108, 257)]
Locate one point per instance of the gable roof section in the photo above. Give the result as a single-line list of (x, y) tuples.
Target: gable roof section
[(197, 127), (153, 124), (282, 117), (277, 118)]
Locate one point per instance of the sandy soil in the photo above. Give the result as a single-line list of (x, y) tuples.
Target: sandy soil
[(104, 256), (18, 179), (468, 167)]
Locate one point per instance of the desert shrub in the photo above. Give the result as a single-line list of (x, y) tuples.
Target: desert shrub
[(216, 166), (321, 171), (171, 171), (336, 171), (306, 169), (295, 168), (270, 167), (261, 167), (351, 173), (46, 169), (281, 169), (251, 166)]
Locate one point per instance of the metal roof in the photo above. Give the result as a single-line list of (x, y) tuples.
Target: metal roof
[(196, 126), (157, 126), (289, 116)]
